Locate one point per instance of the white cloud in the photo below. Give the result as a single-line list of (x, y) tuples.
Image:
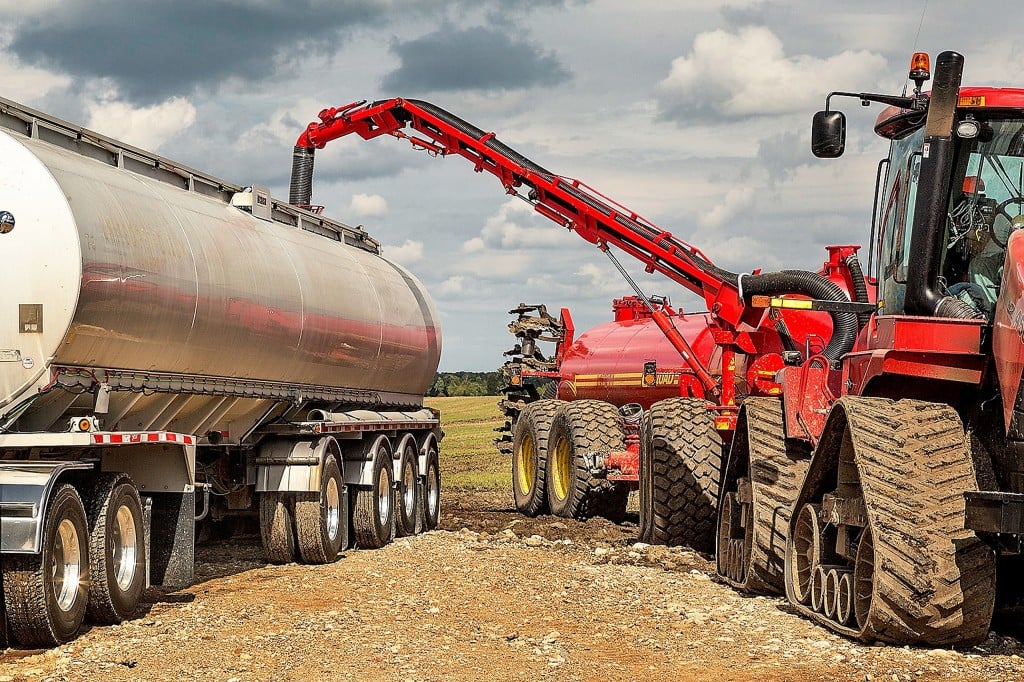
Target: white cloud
[(145, 127), (409, 252), (372, 205), (736, 201), (748, 74), (25, 83), (452, 285), (517, 226)]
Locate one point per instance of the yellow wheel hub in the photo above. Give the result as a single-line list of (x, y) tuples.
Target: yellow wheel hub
[(560, 470), (525, 465)]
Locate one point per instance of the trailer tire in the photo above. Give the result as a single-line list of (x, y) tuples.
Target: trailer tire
[(374, 517), (117, 552), (685, 458), (277, 531), (318, 522), (46, 605), (431, 502), (529, 456), (407, 497), (581, 427)]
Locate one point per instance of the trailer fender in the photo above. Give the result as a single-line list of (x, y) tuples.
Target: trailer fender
[(428, 445), (294, 466), (27, 487), (360, 462)]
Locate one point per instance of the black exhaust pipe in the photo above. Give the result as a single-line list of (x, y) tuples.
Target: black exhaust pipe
[(927, 238)]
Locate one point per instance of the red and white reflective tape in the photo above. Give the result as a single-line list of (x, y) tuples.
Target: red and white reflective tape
[(129, 438)]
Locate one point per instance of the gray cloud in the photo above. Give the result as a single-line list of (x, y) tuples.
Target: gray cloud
[(476, 58), (153, 50)]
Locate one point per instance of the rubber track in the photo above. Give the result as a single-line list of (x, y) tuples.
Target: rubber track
[(592, 425), (934, 580), (775, 476), (537, 416), (687, 461)]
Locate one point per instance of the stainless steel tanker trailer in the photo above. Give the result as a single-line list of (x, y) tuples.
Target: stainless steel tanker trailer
[(174, 349)]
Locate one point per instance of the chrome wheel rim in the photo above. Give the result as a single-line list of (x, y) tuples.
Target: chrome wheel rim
[(66, 565), (125, 547), (383, 494), (409, 484), (332, 508), (433, 490)]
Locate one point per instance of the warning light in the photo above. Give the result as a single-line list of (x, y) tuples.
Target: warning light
[(973, 185), (920, 67), (516, 379), (650, 376)]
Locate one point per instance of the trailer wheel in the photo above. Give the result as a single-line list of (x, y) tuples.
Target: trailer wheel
[(685, 460), (529, 456), (580, 429), (276, 528), (431, 503), (116, 549), (46, 594), (407, 497), (318, 522), (374, 517)]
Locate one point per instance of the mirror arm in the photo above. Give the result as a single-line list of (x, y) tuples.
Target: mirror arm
[(918, 102)]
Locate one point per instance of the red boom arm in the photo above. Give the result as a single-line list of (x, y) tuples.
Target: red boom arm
[(568, 202)]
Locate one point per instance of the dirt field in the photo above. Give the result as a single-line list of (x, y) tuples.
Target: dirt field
[(491, 596)]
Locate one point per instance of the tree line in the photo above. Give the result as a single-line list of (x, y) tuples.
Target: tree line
[(466, 383)]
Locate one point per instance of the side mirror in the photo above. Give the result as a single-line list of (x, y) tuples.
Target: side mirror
[(828, 134)]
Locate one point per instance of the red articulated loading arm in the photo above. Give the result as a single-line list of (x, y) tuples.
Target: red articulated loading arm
[(577, 207)]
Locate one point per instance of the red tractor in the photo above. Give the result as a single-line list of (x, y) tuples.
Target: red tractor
[(853, 440)]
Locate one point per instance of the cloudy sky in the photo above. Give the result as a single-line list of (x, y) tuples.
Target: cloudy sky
[(694, 114)]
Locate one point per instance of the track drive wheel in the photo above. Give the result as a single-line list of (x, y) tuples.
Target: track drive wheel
[(46, 594), (529, 456), (117, 558), (680, 466), (277, 528), (320, 518), (582, 428), (374, 513), (761, 484)]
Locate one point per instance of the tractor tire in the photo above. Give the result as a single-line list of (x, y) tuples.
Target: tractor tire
[(46, 594), (683, 455), (117, 553), (582, 427), (529, 456), (320, 522)]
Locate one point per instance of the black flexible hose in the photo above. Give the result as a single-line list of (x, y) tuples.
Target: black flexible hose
[(844, 325), (860, 288)]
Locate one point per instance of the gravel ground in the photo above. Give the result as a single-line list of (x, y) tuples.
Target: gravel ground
[(492, 596)]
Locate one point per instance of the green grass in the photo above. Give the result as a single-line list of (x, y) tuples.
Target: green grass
[(468, 456)]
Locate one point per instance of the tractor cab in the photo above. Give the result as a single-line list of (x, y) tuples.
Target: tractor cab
[(983, 202)]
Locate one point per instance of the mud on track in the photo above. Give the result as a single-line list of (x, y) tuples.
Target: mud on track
[(491, 596)]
